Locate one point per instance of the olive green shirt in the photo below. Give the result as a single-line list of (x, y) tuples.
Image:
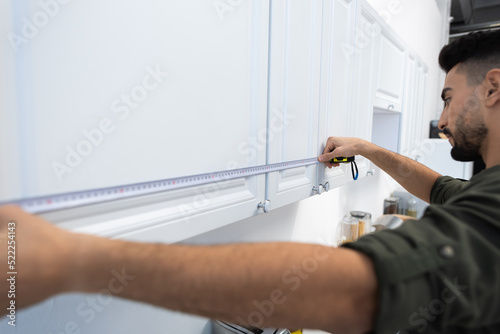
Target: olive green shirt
[(441, 274)]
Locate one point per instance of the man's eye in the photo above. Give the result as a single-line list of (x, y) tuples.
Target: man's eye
[(447, 101)]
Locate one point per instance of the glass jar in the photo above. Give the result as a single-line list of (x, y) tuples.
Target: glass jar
[(364, 222), (391, 206), (350, 229)]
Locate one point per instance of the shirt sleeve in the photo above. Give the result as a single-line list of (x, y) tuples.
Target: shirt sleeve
[(445, 187), (435, 275)]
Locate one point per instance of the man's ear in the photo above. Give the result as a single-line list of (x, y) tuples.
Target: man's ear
[(492, 85)]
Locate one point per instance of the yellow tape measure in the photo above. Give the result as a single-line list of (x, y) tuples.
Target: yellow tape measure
[(345, 160), (342, 159)]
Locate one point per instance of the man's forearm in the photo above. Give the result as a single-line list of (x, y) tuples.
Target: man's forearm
[(278, 284), (412, 175), (268, 284)]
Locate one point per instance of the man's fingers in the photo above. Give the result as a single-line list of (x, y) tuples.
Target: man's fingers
[(325, 158), (328, 149), (330, 145), (330, 155), (327, 164)]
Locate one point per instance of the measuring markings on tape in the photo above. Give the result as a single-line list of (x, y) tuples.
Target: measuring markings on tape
[(86, 197)]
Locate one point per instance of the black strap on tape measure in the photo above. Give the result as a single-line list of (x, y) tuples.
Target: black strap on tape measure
[(345, 160)]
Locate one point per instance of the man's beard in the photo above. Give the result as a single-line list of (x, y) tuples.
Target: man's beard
[(467, 139)]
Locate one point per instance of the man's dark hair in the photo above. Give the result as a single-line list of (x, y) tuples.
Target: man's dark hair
[(477, 53)]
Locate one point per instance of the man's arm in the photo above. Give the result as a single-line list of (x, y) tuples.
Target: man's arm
[(413, 176), (269, 284)]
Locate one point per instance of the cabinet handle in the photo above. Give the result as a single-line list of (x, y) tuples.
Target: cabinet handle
[(322, 187), (265, 206), (318, 190), (391, 106), (370, 172), (326, 186)]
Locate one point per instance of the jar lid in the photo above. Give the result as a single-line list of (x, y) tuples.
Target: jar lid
[(361, 214), (392, 199)]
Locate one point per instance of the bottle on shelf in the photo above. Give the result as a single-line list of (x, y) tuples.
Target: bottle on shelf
[(412, 208)]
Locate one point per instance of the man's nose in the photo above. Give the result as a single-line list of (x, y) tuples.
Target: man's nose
[(443, 120)]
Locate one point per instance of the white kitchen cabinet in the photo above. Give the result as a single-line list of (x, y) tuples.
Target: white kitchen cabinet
[(412, 124), (294, 91), (391, 65), (365, 74), (410, 99), (210, 115), (337, 63), (266, 83), (420, 126)]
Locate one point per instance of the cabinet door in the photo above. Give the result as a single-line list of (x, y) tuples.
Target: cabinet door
[(365, 71), (390, 79), (412, 127), (209, 115), (420, 126), (336, 79), (294, 82), (409, 107)]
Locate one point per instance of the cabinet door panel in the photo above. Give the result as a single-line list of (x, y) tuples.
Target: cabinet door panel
[(364, 77), (294, 79), (208, 116), (409, 107), (157, 89), (412, 127), (419, 121), (336, 79), (389, 92)]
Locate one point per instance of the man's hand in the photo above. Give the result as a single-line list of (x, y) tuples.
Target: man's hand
[(341, 147), (404, 217), (413, 176), (41, 258)]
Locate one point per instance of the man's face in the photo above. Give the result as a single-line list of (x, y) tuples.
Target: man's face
[(462, 120)]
